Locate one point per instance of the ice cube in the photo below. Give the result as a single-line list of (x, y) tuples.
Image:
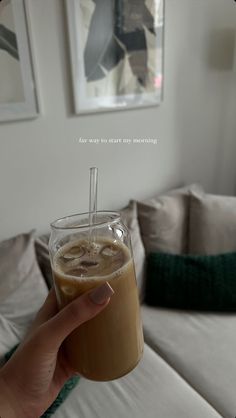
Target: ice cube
[(64, 260), (89, 263), (74, 252), (69, 262), (110, 251)]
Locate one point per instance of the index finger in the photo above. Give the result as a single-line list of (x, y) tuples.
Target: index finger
[(85, 307)]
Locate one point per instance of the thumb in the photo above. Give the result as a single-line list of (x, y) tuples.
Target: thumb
[(76, 313)]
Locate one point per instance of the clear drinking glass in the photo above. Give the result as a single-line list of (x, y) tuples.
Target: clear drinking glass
[(111, 344)]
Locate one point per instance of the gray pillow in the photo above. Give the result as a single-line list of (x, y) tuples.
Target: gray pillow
[(129, 217), (212, 224), (163, 221), (22, 289)]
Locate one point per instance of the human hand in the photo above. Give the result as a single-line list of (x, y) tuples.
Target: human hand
[(35, 374)]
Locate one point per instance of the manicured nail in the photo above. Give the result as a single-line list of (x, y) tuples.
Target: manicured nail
[(101, 294)]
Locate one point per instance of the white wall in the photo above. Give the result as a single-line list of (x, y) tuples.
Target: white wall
[(43, 168)]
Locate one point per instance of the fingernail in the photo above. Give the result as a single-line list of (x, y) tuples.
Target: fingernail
[(101, 294)]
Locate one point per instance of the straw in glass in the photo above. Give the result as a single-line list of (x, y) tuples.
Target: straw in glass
[(93, 202)]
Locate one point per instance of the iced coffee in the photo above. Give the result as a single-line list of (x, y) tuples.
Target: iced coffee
[(111, 344)]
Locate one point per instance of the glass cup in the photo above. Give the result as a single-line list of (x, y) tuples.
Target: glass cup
[(109, 345)]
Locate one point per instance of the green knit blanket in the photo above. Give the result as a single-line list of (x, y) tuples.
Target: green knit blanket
[(67, 388), (192, 282)]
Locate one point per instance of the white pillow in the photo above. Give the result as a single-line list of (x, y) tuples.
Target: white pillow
[(22, 289)]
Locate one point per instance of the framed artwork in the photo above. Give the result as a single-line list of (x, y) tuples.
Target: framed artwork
[(116, 49), (18, 98)]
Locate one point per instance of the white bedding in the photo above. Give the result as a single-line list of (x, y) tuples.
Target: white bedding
[(152, 390), (201, 348)]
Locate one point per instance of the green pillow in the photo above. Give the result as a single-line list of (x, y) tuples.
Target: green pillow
[(192, 282), (65, 391)]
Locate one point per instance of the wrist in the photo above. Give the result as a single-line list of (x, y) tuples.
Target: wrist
[(9, 406), (6, 407)]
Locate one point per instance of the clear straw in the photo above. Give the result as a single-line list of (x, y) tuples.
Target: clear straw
[(92, 201)]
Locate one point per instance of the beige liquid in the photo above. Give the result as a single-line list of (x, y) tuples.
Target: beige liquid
[(111, 344)]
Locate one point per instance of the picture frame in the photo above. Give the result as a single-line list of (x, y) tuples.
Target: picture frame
[(116, 51), (18, 93)]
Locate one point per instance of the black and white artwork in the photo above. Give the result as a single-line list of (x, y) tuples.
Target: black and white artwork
[(116, 52), (11, 79), (17, 87)]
